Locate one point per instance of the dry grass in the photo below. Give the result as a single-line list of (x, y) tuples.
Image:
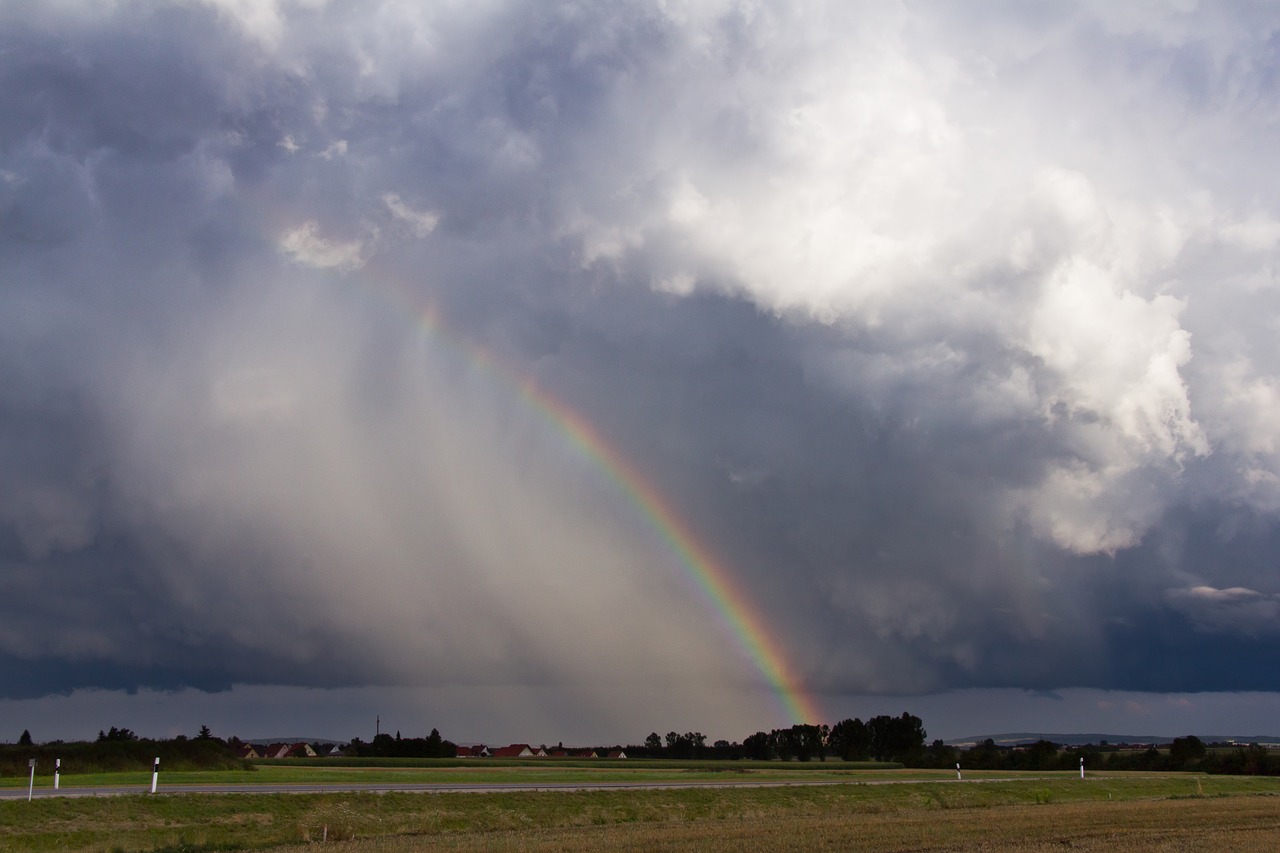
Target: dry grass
[(1245, 824)]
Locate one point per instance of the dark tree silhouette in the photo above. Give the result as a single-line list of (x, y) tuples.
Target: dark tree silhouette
[(116, 735), (850, 739), (895, 738), (757, 747), (1185, 752)]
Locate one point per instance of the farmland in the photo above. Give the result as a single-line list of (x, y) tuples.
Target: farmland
[(855, 809)]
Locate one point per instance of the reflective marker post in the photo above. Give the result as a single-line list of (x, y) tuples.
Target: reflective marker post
[(32, 786), (958, 776), (1082, 767), (57, 772), (155, 774)]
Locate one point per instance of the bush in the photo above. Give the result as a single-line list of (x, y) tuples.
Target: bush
[(108, 756)]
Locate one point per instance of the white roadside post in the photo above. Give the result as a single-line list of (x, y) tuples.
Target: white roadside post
[(31, 788), (958, 776), (155, 774), (57, 772), (1082, 767)]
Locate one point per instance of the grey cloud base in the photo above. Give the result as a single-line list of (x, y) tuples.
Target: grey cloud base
[(954, 340)]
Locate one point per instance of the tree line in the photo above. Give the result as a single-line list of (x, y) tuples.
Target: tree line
[(386, 746), (119, 749), (1183, 753), (882, 738)]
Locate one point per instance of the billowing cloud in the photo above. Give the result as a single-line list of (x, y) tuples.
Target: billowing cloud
[(950, 335), (305, 246), (1236, 610)]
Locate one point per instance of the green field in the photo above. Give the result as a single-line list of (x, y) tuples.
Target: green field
[(441, 771), (1117, 811)]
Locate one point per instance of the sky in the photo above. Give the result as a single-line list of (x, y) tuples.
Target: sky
[(569, 371)]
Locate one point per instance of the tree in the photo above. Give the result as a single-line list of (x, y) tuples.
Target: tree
[(25, 740), (1256, 761), (940, 755), (116, 735), (1042, 755), (985, 756), (653, 744), (802, 741), (383, 745), (756, 747), (781, 744), (685, 745), (1186, 751), (850, 739), (205, 734), (894, 738), (435, 744)]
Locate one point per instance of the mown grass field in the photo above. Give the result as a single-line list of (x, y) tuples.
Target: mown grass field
[(1040, 812)]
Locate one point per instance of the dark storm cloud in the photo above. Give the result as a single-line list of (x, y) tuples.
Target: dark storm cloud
[(953, 337)]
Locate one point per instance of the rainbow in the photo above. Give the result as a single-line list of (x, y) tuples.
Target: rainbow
[(712, 578)]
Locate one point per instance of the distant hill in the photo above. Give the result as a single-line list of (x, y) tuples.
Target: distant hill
[(263, 741), (1019, 738)]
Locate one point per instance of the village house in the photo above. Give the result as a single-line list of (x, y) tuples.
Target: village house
[(286, 750), (519, 750)]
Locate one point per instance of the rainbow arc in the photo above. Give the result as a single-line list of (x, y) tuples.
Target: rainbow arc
[(716, 583)]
